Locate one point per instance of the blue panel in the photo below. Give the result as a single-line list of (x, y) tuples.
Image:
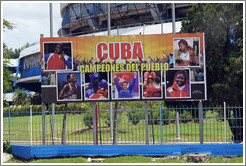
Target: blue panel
[(35, 71), (22, 151), (65, 19), (28, 152)]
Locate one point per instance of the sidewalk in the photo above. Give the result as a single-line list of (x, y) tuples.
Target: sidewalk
[(6, 157)]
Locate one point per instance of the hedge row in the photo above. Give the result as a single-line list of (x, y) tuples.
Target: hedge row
[(24, 110)]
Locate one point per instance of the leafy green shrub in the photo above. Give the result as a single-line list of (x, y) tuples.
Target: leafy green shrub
[(169, 116), (106, 117), (185, 116), (220, 114), (88, 119), (6, 147), (154, 116), (24, 110), (135, 116)]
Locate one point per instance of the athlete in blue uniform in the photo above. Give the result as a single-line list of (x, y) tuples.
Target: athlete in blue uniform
[(124, 91), (93, 86)]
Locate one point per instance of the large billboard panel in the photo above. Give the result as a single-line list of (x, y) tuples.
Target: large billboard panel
[(120, 68)]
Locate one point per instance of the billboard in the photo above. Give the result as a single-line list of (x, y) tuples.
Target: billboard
[(121, 68)]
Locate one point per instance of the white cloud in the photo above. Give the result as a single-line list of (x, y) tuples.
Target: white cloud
[(31, 19)]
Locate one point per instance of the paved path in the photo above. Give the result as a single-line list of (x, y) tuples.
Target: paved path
[(6, 157)]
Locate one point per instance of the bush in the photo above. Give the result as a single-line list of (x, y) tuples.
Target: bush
[(153, 116), (135, 116), (6, 147), (220, 114), (169, 116), (88, 119), (106, 117), (185, 117), (24, 110)]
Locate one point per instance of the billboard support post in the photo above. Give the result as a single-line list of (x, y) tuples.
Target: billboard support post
[(152, 122), (109, 21), (64, 125), (115, 124), (111, 120), (161, 124), (53, 122), (43, 123), (161, 27), (118, 30), (51, 20), (99, 122), (94, 124), (146, 123), (173, 18), (200, 122)]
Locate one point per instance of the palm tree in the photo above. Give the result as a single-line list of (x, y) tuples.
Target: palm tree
[(21, 98)]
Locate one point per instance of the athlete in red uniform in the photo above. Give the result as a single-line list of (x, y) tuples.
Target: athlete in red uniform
[(148, 81), (180, 87), (155, 89), (58, 60)]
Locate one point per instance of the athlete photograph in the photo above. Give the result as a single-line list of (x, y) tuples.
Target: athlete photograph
[(152, 87), (96, 86), (178, 84), (58, 56), (186, 52), (125, 85), (69, 86)]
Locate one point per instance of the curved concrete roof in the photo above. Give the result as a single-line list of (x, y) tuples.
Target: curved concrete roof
[(30, 50)]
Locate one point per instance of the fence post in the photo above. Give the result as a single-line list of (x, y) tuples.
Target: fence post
[(177, 124), (31, 123), (94, 124), (43, 123), (53, 122), (200, 122), (225, 120), (161, 124), (146, 122), (9, 128)]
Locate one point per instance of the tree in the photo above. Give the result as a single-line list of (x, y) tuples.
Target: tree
[(21, 98), (223, 28), (6, 73), (7, 24)]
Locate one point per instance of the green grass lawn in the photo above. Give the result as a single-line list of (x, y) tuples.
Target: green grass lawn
[(78, 133), (127, 159)]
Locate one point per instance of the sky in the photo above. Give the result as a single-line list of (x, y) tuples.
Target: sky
[(31, 19)]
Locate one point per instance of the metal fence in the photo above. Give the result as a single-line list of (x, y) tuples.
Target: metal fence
[(158, 125)]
